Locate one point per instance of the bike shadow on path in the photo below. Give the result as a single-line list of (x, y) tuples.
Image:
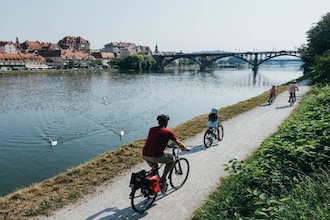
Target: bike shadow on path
[(288, 105), (264, 104), (197, 148), (114, 213), (126, 213), (283, 106)]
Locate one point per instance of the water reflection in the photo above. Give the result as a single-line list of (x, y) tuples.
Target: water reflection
[(86, 111)]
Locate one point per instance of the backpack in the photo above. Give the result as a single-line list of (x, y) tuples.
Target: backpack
[(139, 179)]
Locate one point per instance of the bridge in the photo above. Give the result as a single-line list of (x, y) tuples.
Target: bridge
[(206, 60)]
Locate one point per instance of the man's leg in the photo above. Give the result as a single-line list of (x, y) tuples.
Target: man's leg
[(169, 160), (167, 169)]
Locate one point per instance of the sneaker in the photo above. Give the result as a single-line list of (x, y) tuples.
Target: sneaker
[(163, 185)]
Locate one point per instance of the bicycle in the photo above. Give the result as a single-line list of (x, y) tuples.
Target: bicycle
[(211, 135), (145, 191), (271, 99), (291, 99)]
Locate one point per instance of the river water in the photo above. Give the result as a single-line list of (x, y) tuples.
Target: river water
[(85, 112)]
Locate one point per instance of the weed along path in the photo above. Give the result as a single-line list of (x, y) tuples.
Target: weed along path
[(243, 135)]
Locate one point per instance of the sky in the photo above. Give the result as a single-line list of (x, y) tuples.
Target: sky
[(172, 25)]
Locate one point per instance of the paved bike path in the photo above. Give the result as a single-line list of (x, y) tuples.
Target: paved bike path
[(243, 135)]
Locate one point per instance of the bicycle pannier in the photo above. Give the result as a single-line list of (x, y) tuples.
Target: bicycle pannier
[(139, 179)]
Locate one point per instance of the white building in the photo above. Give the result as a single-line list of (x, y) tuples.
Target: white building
[(7, 47)]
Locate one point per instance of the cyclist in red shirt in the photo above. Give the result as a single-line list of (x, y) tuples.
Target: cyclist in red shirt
[(153, 151), (272, 91)]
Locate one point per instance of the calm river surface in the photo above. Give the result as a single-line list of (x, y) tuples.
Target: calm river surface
[(85, 111)]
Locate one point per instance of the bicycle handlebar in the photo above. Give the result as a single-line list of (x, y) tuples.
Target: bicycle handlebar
[(172, 145)]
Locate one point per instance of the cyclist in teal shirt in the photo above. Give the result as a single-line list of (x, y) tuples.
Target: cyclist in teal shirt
[(213, 121)]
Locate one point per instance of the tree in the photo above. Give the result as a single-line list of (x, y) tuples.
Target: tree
[(116, 62), (318, 36), (322, 68), (316, 53), (137, 62), (133, 62)]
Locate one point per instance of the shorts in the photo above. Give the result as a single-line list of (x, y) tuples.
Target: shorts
[(153, 161)]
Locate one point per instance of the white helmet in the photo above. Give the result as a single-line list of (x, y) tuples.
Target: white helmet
[(214, 110)]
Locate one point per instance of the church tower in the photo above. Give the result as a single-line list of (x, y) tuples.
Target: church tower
[(156, 49)]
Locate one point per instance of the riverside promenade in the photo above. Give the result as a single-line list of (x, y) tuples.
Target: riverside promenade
[(243, 135)]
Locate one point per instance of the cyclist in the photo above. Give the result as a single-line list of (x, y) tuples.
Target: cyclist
[(272, 91), (153, 150), (213, 121), (293, 87)]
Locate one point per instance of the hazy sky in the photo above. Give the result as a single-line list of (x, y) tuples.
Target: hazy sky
[(174, 25)]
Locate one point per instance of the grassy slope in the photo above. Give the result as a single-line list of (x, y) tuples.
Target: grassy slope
[(289, 172), (69, 187)]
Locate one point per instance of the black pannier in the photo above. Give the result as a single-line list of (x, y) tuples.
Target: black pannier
[(139, 180)]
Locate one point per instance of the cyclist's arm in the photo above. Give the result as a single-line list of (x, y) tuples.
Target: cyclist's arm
[(181, 145)]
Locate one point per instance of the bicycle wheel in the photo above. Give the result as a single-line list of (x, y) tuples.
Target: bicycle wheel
[(221, 131), (179, 173), (208, 137), (142, 200)]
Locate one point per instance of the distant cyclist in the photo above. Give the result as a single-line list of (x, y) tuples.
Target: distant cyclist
[(293, 87), (272, 94), (213, 121), (153, 150)]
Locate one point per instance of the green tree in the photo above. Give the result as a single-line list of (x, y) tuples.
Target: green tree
[(322, 68), (319, 37), (133, 62), (137, 62), (116, 62), (315, 54)]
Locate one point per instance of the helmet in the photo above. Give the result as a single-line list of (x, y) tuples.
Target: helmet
[(163, 118), (214, 110), (294, 81)]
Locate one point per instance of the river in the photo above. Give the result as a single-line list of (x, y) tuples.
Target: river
[(85, 112)]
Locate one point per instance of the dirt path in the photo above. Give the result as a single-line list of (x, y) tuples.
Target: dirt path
[(243, 135)]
